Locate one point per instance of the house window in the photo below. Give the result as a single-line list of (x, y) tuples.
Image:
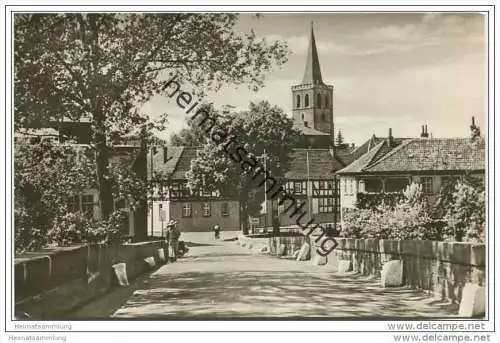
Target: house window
[(187, 209), (298, 102), (88, 205), (306, 100), (396, 184), (323, 188), (224, 209), (74, 204), (449, 181), (319, 100), (296, 187), (373, 185), (426, 183), (206, 210), (323, 117), (160, 206), (326, 101), (325, 205)]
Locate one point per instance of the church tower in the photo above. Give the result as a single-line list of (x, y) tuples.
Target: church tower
[(313, 99)]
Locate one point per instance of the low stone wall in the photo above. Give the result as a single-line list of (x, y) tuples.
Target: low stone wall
[(50, 283), (442, 268), (287, 245)]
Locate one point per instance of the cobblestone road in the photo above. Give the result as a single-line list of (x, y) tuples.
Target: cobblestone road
[(221, 279)]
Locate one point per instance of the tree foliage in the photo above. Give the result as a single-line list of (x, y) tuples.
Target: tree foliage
[(104, 66), (466, 214), (46, 175), (229, 167), (406, 219)]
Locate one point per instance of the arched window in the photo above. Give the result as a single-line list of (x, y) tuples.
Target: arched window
[(319, 100), (306, 100), (298, 101), (326, 101)]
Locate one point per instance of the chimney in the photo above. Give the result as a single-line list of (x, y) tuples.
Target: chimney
[(474, 130), (390, 139), (424, 133)]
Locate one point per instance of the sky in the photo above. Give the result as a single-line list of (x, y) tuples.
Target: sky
[(389, 70)]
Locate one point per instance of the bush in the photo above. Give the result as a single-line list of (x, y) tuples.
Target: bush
[(70, 228), (28, 235), (372, 200), (355, 222), (407, 218), (74, 228), (466, 215)]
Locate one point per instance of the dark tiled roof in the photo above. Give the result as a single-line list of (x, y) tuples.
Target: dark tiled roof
[(308, 131), (321, 164), (345, 155), (159, 166), (366, 146), (421, 154), (358, 165), (184, 163)]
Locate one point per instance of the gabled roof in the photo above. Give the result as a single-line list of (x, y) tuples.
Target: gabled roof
[(434, 154), (321, 164), (359, 164), (184, 163), (159, 166)]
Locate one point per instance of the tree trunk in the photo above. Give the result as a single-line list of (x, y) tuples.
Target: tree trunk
[(244, 216), (103, 177)]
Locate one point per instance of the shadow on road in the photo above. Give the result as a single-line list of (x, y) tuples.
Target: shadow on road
[(276, 294)]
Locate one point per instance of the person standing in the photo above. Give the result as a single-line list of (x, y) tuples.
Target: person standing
[(173, 235), (276, 226)]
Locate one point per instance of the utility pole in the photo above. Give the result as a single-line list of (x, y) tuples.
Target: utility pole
[(264, 156), (309, 194), (153, 151)]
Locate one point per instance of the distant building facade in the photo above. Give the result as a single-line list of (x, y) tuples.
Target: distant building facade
[(196, 211), (390, 165), (87, 202)]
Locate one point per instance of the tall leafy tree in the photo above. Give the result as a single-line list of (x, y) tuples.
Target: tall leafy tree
[(231, 165), (193, 135), (103, 66)]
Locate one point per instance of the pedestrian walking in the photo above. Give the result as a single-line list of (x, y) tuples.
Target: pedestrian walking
[(217, 231)]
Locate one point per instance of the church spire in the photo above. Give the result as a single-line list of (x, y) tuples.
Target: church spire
[(312, 74)]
